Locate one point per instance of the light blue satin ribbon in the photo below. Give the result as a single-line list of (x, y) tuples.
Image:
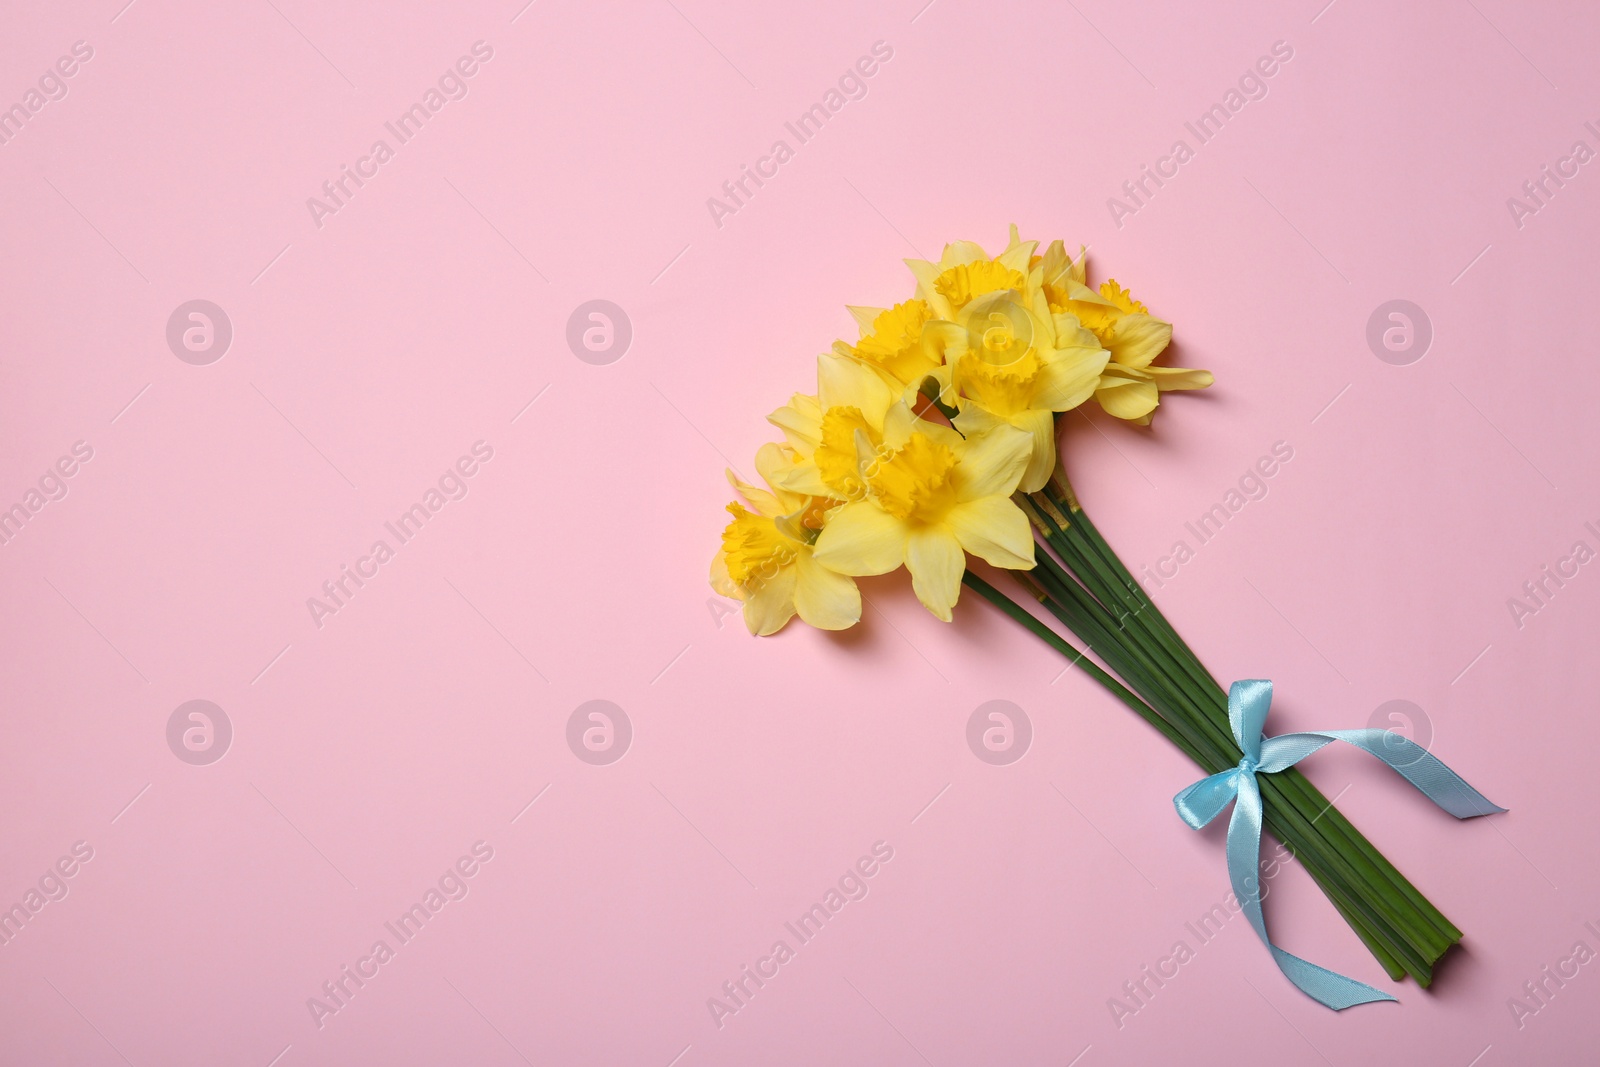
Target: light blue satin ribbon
[(1248, 702)]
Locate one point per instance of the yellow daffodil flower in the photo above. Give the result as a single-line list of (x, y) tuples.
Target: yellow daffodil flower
[(1012, 366), (767, 559), (863, 483), (965, 272), (1006, 358), (931, 497), (892, 342), (821, 430), (1130, 387)]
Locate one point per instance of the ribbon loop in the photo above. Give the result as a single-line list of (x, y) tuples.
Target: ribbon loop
[(1206, 799), (1248, 703)]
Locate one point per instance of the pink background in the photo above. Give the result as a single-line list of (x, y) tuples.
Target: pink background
[(428, 312)]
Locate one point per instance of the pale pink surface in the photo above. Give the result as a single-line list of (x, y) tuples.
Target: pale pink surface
[(372, 752)]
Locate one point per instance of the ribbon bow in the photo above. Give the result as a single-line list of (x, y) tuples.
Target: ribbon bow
[(1248, 702)]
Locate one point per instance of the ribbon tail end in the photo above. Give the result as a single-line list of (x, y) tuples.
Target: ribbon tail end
[(1482, 806), (1352, 995), (1328, 988), (1378, 997)]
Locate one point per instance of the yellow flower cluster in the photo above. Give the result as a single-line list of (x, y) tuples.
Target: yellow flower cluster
[(921, 431)]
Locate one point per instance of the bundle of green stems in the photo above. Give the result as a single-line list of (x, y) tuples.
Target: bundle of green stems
[(1080, 581)]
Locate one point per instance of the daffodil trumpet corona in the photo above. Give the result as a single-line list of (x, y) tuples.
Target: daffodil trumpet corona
[(932, 437)]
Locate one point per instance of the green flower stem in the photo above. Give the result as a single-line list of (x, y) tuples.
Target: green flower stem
[(1392, 966), (1198, 703), (1145, 609), (1140, 621), (1061, 645), (1075, 607), (1383, 917), (1369, 930)]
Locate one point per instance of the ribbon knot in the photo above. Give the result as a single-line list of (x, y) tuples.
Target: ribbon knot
[(1248, 703)]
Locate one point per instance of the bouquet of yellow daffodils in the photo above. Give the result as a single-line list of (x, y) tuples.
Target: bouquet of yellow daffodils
[(933, 435), (993, 349)]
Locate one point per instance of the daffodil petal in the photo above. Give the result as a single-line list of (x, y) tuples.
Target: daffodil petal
[(1018, 256), (825, 599), (764, 502), (1179, 378), (1040, 425), (845, 382), (801, 422), (769, 603), (936, 563), (1079, 270), (1045, 334), (898, 424), (720, 581), (1071, 332), (1077, 290), (946, 340), (801, 479), (994, 529), (861, 538), (1137, 338), (926, 274), (901, 422), (865, 317), (1118, 372), (974, 419), (772, 461), (1127, 399), (1067, 376), (992, 463), (959, 252), (938, 431), (1053, 263)]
